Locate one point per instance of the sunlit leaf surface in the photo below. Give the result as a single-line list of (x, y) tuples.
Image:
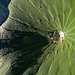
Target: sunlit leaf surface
[(26, 48)]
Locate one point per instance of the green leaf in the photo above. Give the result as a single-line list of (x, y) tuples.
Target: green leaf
[(28, 25)]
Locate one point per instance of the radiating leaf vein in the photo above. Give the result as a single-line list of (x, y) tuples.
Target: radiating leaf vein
[(60, 57), (70, 24), (69, 60), (51, 14), (53, 59), (70, 44)]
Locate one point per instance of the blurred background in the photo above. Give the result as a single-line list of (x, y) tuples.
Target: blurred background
[(4, 10)]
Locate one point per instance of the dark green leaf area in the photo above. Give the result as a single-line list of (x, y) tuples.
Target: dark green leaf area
[(29, 49)]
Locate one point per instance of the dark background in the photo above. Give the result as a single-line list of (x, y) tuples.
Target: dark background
[(4, 12)]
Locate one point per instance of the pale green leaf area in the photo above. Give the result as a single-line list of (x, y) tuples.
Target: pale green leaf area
[(31, 51)]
